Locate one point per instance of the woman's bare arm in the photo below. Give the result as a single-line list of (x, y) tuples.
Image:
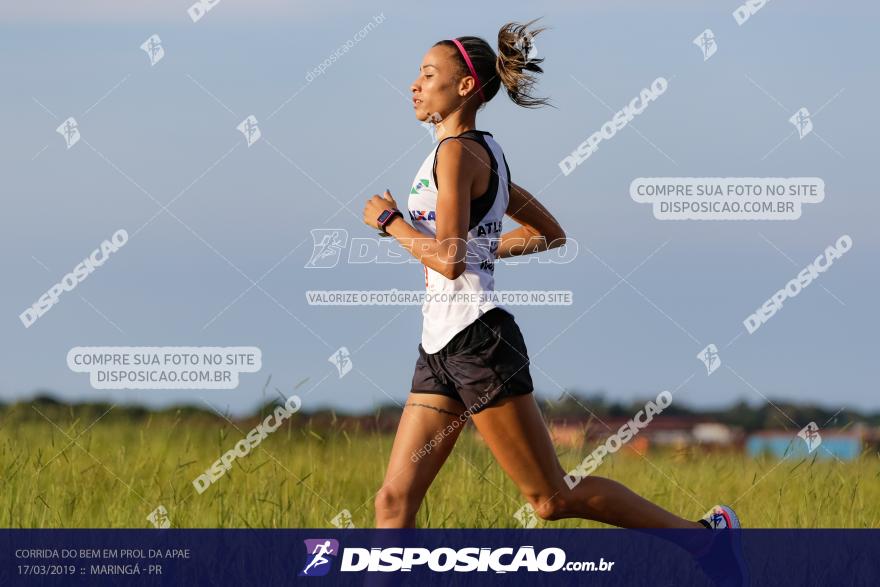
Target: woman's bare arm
[(538, 230), (446, 252)]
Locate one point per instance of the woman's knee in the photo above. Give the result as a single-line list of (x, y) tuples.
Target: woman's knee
[(392, 503)]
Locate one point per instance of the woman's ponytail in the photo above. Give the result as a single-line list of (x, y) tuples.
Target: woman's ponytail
[(516, 65)]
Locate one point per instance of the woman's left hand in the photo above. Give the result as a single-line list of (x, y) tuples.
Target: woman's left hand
[(375, 206)]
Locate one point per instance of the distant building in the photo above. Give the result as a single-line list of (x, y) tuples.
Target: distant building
[(676, 432), (713, 433), (846, 446)]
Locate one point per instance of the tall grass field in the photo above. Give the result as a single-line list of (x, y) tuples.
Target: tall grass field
[(61, 469)]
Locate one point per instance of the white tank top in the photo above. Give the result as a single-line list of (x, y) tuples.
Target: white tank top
[(443, 319)]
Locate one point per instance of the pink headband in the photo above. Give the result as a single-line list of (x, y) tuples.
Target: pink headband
[(470, 67)]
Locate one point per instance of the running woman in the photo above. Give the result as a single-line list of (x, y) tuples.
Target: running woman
[(472, 358)]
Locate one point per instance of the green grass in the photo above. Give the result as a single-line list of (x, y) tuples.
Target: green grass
[(302, 477)]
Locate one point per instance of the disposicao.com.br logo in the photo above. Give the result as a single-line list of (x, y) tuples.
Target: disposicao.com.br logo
[(441, 559)]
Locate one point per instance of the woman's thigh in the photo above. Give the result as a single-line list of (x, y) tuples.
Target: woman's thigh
[(428, 428), (518, 438)]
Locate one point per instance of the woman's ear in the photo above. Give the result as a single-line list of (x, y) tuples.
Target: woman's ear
[(464, 88)]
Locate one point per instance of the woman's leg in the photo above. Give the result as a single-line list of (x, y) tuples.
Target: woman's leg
[(520, 441), (428, 429)]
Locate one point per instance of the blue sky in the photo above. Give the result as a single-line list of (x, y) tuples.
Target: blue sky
[(156, 131)]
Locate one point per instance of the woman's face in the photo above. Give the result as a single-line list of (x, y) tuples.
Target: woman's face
[(438, 88)]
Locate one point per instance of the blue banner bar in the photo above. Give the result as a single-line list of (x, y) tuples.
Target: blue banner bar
[(439, 557)]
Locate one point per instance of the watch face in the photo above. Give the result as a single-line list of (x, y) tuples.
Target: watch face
[(384, 216)]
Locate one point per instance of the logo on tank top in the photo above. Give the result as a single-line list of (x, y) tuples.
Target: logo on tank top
[(418, 215), (422, 183)]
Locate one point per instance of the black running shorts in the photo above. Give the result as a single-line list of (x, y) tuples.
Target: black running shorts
[(482, 364)]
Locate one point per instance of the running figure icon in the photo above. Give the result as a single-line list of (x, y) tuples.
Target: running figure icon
[(318, 553)]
